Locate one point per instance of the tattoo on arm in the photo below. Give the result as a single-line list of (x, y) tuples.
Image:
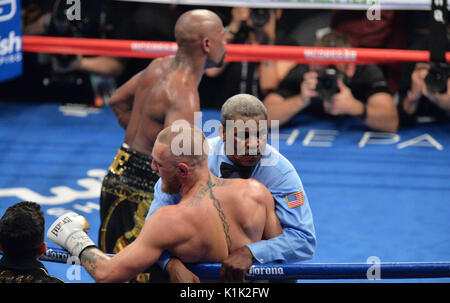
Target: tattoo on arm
[(90, 258)]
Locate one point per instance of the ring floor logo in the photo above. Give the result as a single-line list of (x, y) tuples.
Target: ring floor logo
[(10, 39)]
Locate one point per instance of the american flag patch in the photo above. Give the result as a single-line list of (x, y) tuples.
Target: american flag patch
[(295, 199)]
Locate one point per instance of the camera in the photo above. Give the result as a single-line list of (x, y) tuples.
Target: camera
[(260, 16), (75, 86), (61, 28), (327, 82), (88, 27), (436, 79)]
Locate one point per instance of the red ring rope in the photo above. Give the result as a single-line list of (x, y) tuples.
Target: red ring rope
[(235, 52)]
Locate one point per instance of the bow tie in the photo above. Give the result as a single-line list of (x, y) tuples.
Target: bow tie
[(228, 169)]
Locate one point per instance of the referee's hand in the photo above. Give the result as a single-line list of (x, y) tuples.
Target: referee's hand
[(236, 265)]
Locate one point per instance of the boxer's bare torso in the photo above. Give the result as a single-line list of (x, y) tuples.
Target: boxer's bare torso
[(165, 92), (215, 218)]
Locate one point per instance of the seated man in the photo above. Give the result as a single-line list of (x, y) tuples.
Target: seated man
[(298, 240), (209, 223), (358, 91), (22, 242)]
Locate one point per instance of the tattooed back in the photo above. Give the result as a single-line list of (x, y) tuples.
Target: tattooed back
[(220, 216)]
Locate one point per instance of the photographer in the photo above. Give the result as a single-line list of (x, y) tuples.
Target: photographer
[(59, 77), (344, 89), (248, 26), (425, 94), (91, 75)]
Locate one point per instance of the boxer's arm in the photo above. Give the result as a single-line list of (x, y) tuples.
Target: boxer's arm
[(235, 266), (122, 100), (158, 234), (298, 240), (296, 243), (154, 237), (272, 227)]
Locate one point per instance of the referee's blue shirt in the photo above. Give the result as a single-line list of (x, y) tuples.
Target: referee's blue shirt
[(298, 240)]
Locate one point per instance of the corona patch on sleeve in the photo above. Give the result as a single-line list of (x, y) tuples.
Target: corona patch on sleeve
[(295, 199)]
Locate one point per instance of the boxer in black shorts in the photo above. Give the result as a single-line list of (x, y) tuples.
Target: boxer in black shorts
[(127, 190)]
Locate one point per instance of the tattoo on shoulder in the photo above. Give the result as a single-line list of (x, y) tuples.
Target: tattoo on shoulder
[(197, 198), (203, 189), (220, 182)]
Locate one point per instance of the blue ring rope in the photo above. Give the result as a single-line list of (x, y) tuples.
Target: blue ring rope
[(392, 270)]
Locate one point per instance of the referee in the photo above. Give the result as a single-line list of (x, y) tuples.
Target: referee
[(298, 240)]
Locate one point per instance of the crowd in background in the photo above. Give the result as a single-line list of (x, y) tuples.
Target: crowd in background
[(91, 80)]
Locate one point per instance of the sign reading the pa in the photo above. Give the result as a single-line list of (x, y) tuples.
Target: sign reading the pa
[(10, 39)]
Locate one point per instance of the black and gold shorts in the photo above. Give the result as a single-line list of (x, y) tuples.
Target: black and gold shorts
[(126, 195)]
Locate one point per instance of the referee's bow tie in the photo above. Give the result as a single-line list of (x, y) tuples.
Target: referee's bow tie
[(228, 169)]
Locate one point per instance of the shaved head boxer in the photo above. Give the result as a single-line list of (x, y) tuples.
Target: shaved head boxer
[(166, 91), (209, 223)]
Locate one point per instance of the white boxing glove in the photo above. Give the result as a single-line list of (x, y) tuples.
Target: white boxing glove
[(69, 232)]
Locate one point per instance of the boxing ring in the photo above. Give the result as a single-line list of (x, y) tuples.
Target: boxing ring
[(355, 179), (373, 200), (313, 271), (310, 271)]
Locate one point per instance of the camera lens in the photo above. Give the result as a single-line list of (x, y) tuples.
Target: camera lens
[(327, 83), (259, 16), (436, 79)]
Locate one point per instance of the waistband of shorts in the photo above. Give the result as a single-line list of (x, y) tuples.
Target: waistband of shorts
[(125, 148), (133, 158), (139, 161), (134, 153), (134, 169)]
